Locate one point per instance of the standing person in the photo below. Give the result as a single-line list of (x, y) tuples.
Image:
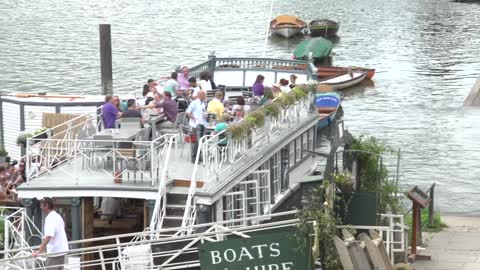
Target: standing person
[(183, 79), (110, 111), (182, 101), (212, 83), (172, 85), (258, 87), (196, 114), (204, 83), (284, 86), (193, 85), (55, 240), (216, 105), (293, 81)]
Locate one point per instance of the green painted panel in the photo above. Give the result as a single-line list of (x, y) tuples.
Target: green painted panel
[(269, 251)]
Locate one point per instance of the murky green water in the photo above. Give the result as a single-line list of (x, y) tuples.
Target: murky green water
[(426, 54)]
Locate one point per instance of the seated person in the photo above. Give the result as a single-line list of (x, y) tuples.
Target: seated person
[(170, 110), (133, 111), (172, 84), (193, 87), (204, 82), (215, 106), (240, 106), (182, 100), (221, 126), (267, 98)]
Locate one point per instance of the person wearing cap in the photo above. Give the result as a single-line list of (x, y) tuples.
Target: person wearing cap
[(55, 240)]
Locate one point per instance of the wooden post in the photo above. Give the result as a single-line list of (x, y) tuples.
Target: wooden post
[(106, 59), (431, 210), (87, 230), (414, 228)]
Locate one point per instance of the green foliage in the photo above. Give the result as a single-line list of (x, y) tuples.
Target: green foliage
[(2, 233), (374, 174), (299, 93), (272, 110), (3, 152), (325, 230), (239, 130), (437, 225), (23, 136), (256, 119)]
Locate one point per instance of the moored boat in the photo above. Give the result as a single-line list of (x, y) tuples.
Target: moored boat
[(287, 26), (323, 72), (327, 106), (323, 28), (319, 48), (345, 81)]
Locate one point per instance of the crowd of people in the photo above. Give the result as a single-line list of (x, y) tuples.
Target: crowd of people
[(12, 174), (185, 93)]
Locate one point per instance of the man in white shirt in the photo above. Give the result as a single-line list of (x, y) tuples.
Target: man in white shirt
[(196, 112), (55, 240)]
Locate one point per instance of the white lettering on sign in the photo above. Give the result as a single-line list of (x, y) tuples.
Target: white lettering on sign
[(259, 250), (274, 252), (232, 258), (252, 253), (245, 253), (215, 254), (282, 266)]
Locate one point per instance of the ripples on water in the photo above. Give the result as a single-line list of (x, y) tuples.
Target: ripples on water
[(426, 54)]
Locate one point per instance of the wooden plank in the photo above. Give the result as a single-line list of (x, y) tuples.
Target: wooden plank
[(377, 240), (373, 252), (87, 229), (343, 254), (359, 257), (186, 183)]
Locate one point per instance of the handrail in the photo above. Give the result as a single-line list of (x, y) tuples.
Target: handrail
[(166, 231), (215, 233), (161, 201)]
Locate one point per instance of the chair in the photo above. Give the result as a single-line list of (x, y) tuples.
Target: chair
[(178, 121), (186, 138), (232, 100), (102, 144), (131, 123), (247, 94), (210, 93)]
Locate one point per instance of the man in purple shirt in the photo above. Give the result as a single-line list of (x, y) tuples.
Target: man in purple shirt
[(110, 112), (182, 79), (170, 110)]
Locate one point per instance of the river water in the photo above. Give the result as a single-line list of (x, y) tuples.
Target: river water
[(426, 54)]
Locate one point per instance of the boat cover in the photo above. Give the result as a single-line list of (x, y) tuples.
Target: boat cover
[(327, 100), (319, 47)]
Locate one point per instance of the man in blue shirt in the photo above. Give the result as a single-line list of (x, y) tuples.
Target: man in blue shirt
[(196, 112)]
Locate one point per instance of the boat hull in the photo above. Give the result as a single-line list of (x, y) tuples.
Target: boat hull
[(339, 84), (323, 28), (286, 32), (325, 72)]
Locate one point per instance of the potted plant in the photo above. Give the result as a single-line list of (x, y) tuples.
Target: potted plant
[(3, 154), (344, 182), (37, 134)]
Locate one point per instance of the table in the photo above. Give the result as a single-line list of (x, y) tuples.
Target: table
[(122, 134)]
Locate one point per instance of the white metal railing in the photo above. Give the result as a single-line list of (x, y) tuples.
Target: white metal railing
[(18, 229), (89, 159), (218, 158), (395, 228), (160, 208), (150, 253)]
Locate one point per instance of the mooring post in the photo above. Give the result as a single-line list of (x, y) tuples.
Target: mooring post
[(431, 210), (106, 59)]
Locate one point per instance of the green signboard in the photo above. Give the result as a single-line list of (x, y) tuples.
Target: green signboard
[(277, 251)]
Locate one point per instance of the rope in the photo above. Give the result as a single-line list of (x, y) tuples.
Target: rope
[(268, 29)]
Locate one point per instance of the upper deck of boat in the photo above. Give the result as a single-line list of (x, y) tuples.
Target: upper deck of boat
[(69, 163)]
